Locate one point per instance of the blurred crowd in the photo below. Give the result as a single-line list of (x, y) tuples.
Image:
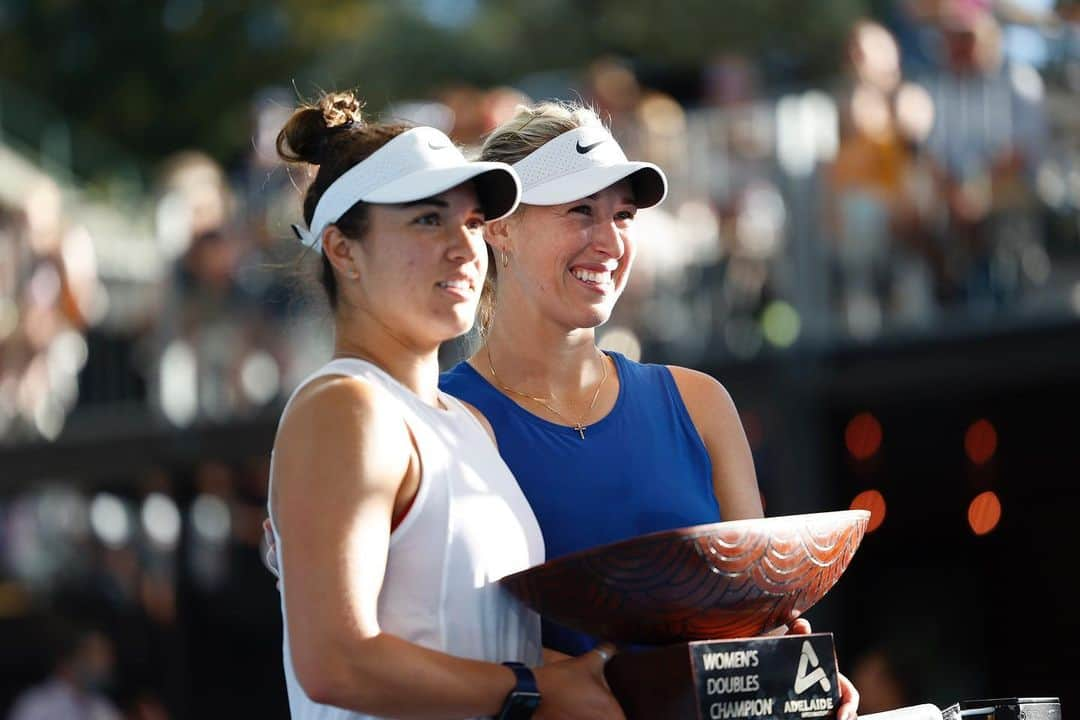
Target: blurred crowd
[(933, 188), (116, 600)]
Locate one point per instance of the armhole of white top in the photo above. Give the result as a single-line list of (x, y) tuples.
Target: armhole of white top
[(421, 490), (417, 503), (461, 408)]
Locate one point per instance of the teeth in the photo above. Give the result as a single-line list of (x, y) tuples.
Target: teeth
[(458, 284), (599, 278)]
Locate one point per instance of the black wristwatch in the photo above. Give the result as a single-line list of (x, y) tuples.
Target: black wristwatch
[(523, 700)]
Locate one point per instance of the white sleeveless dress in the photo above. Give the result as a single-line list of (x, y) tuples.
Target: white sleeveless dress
[(469, 526)]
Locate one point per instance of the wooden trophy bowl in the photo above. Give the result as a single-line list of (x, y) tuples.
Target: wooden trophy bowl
[(707, 582)]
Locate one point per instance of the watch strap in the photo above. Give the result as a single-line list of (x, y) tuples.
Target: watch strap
[(526, 681), (521, 702)]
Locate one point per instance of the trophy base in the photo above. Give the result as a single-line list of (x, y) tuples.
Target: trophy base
[(790, 676)]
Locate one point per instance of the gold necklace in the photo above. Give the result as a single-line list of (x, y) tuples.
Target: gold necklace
[(579, 426)]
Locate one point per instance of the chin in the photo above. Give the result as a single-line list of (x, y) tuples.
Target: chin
[(594, 317), (458, 324)]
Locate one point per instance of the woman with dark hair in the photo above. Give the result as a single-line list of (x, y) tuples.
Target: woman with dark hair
[(393, 515)]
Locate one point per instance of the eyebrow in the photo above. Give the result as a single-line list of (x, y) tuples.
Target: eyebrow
[(627, 200), (426, 201), (437, 202)]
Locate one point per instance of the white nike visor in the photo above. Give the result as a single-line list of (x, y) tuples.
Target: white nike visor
[(581, 162), (417, 164)]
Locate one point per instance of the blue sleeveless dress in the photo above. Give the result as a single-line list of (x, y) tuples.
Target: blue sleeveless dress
[(640, 469)]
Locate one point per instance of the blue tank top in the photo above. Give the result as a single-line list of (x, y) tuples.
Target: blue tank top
[(640, 469)]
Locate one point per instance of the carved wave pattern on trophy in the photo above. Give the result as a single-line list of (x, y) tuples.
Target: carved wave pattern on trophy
[(724, 580)]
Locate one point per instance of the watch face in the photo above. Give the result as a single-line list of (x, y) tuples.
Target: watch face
[(522, 705)]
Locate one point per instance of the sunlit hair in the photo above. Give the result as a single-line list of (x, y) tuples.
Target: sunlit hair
[(530, 128), (332, 135), (533, 126)]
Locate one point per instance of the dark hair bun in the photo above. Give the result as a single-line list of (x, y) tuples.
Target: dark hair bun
[(307, 135)]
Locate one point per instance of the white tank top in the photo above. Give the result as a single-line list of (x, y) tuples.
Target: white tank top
[(469, 526)]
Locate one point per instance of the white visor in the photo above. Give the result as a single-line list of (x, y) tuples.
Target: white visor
[(417, 164), (581, 162)]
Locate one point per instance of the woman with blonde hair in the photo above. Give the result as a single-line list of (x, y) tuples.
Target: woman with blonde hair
[(603, 447)]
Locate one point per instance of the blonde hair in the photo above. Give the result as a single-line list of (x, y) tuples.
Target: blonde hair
[(531, 127)]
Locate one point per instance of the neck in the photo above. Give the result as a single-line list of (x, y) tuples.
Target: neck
[(415, 368), (535, 356)]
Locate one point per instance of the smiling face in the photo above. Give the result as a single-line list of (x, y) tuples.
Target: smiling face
[(571, 261), (419, 267)]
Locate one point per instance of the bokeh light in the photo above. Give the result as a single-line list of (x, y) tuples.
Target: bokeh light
[(260, 377), (863, 436), (621, 340), (780, 324), (179, 383), (980, 441), (984, 512), (873, 501), (210, 518), (161, 520), (109, 519)]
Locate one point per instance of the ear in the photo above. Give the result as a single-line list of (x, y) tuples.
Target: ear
[(338, 249), (497, 234)]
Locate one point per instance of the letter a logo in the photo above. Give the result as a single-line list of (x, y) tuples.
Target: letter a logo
[(804, 680)]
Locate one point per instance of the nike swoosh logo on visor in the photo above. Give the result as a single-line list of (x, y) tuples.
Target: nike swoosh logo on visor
[(435, 146), (583, 149)]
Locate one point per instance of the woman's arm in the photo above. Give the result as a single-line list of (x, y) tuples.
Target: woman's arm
[(713, 414), (344, 462)]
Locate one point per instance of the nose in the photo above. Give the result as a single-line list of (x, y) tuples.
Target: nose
[(465, 244), (608, 238)]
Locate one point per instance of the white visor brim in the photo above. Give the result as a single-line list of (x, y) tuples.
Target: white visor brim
[(497, 187), (646, 179)]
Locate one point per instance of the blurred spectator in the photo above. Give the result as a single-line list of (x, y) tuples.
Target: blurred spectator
[(50, 295), (987, 142), (265, 184), (881, 191), (467, 108), (463, 112), (730, 79), (211, 332), (613, 90), (82, 667), (500, 104), (661, 136), (273, 275)]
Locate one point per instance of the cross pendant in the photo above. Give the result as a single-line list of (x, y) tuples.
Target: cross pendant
[(581, 430)]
